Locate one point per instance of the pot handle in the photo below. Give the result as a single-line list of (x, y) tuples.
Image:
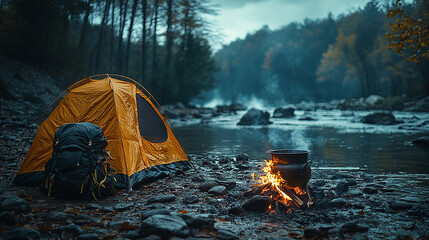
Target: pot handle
[(307, 164)]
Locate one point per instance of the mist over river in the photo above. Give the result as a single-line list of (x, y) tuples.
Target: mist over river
[(336, 140)]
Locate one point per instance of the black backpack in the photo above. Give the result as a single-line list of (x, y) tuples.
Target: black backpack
[(78, 167)]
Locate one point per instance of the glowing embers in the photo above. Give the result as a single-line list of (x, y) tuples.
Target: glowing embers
[(273, 185)]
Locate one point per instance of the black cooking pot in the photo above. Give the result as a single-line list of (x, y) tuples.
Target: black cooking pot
[(293, 166)]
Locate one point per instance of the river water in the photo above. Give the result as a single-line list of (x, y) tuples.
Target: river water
[(336, 140)]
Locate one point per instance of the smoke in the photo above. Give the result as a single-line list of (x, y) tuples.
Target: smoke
[(274, 93), (299, 140)]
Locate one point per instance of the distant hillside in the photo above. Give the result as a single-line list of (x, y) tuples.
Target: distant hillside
[(319, 60)]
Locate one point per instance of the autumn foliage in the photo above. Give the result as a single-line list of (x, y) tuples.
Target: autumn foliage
[(410, 34)]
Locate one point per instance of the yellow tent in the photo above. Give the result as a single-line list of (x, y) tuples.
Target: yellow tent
[(140, 140)]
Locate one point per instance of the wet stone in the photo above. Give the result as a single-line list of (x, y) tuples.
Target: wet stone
[(341, 188), (204, 187), (198, 220), (411, 199), (338, 202), (353, 227), (226, 235), (17, 205), (70, 228), (354, 193), (351, 182), (224, 160), (133, 234), (242, 166), (7, 218), (401, 205), (307, 118), (284, 112), (257, 203), (242, 158), (115, 224), (159, 211), (20, 233), (93, 206), (162, 198), (237, 210), (59, 216), (312, 233), (88, 236), (331, 195), (165, 226), (380, 118), (421, 141), (218, 190), (255, 117), (190, 199), (369, 190), (83, 219), (120, 207), (107, 209), (197, 178), (152, 237)]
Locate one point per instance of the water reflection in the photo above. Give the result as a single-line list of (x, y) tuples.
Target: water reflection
[(329, 147)]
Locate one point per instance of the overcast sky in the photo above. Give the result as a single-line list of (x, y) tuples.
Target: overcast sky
[(236, 18)]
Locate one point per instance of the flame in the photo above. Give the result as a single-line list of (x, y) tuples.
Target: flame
[(272, 184), (274, 180)]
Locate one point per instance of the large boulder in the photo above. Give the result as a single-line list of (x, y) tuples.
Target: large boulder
[(255, 117), (284, 112), (382, 118)]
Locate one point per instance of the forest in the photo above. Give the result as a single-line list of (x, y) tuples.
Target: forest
[(166, 46), (323, 59), (162, 43)]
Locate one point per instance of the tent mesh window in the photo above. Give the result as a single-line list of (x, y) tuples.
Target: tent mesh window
[(152, 128)]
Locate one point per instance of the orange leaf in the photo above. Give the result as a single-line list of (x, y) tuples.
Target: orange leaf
[(182, 211)]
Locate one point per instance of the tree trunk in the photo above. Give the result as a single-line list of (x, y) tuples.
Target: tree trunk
[(85, 26), (112, 37), (130, 31), (144, 18), (123, 17), (98, 54), (169, 35), (154, 49)]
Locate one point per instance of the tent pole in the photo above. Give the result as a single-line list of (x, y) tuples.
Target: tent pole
[(120, 135)]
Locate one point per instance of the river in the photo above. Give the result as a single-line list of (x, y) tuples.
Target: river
[(336, 140)]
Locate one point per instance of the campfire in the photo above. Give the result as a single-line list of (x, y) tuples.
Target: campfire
[(285, 182)]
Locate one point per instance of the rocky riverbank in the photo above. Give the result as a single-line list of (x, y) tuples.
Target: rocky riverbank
[(210, 201)]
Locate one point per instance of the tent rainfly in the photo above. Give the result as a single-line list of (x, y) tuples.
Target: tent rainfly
[(140, 140)]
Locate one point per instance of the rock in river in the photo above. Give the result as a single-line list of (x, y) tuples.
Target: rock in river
[(255, 117), (382, 118), (284, 112), (421, 141)]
